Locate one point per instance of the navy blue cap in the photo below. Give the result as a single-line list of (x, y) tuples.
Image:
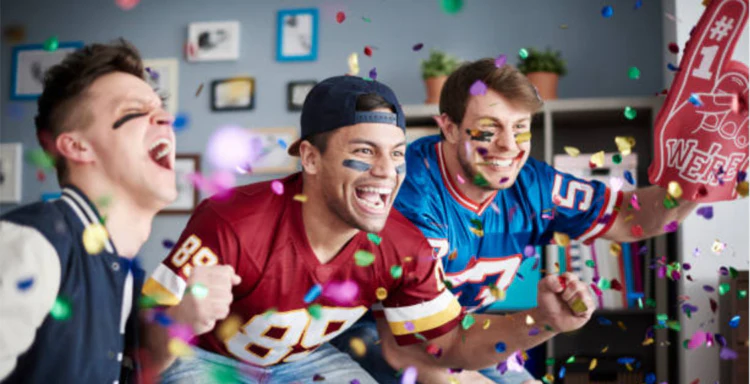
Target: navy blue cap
[(332, 104)]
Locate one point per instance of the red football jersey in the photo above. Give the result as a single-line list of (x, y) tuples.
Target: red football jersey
[(261, 235)]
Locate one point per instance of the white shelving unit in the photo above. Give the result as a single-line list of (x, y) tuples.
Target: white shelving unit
[(591, 125)]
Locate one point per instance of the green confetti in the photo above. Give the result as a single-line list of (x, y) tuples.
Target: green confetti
[(662, 317), (480, 181), (225, 374), (198, 290), (51, 44), (40, 159), (724, 288), (314, 311), (396, 271), (674, 325), (617, 158), (742, 294), (670, 202), (685, 343), (363, 258), (61, 309), (374, 238), (451, 7), (420, 337), (366, 19), (476, 224), (651, 302), (590, 263), (604, 284), (468, 321), (270, 312), (146, 301), (732, 273), (448, 284), (640, 303), (550, 361), (523, 53), (630, 113), (634, 73), (104, 201), (571, 360)]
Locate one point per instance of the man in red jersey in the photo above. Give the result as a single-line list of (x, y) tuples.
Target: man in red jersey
[(312, 260)]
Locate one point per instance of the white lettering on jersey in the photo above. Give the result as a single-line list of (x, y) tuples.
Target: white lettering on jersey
[(569, 199), (504, 268)]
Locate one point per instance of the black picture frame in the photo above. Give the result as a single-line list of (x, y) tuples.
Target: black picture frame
[(295, 103), (229, 94)]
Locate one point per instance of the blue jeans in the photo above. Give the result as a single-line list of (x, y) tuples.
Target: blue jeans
[(374, 363), (326, 362)]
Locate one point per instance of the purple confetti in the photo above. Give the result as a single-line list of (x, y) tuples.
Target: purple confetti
[(727, 354), (417, 47), (478, 88), (409, 326), (25, 284), (721, 340), (230, 147), (708, 288), (688, 308), (529, 250), (604, 219), (500, 60), (671, 227), (342, 293), (686, 266), (504, 180), (409, 376), (534, 331), (724, 271), (482, 151), (707, 212), (662, 272), (741, 176), (502, 367), (168, 244), (355, 381), (374, 73)]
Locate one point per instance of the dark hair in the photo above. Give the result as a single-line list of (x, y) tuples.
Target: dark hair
[(366, 102), (65, 84), (506, 80)]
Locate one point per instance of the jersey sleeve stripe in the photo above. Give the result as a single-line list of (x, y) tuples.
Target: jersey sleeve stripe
[(414, 338), (420, 323), (598, 228), (165, 286), (417, 311)]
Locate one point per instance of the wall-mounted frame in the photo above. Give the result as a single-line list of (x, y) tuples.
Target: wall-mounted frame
[(30, 62), (163, 75), (188, 195), (235, 94), (213, 41), (297, 35), (270, 144), (10, 172), (296, 92)]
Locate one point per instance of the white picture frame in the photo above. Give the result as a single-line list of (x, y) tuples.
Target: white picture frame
[(188, 195), (163, 75), (11, 165), (271, 145), (213, 41), (30, 62)]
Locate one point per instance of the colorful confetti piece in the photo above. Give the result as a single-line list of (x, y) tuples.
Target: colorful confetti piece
[(478, 88), (396, 271), (579, 306), (523, 53), (561, 239), (374, 73), (634, 73), (625, 144), (181, 122), (597, 160), (229, 327), (695, 100), (300, 197), (340, 17), (363, 258), (277, 187), (198, 290), (409, 376), (61, 309), (417, 47), (500, 61), (607, 11), (630, 113), (95, 236), (25, 284), (451, 7), (572, 151), (381, 293), (374, 238), (51, 44), (353, 62), (468, 321), (313, 293), (358, 346), (315, 311)]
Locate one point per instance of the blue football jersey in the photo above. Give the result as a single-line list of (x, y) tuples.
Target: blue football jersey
[(482, 243)]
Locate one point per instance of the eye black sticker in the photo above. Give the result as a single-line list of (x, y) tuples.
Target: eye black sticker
[(357, 165), (127, 118), (478, 135)]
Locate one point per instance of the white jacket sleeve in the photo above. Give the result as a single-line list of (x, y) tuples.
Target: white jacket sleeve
[(29, 282)]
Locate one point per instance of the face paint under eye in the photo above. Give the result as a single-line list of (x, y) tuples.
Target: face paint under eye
[(357, 165), (523, 137), (127, 118), (479, 135), (401, 169)]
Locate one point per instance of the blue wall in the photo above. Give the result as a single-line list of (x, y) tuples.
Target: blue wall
[(598, 52)]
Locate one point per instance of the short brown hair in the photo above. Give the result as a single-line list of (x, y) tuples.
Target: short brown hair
[(506, 80), (65, 83)]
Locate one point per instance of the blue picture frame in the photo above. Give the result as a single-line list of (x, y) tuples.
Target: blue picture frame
[(17, 50), (293, 47)]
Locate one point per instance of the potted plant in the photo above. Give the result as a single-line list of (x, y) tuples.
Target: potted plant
[(435, 71), (543, 70)]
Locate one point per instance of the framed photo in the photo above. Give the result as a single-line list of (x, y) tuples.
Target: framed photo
[(296, 92), (10, 172), (235, 94), (297, 35), (30, 62), (163, 75), (270, 144), (213, 41), (187, 195)]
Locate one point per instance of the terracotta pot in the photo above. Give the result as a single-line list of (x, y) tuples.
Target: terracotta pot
[(433, 86), (545, 83)]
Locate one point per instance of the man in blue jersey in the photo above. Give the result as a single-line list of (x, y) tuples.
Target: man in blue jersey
[(480, 200)]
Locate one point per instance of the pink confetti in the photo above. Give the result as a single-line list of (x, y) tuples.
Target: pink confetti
[(230, 147), (460, 179), (697, 339), (596, 289), (671, 227), (342, 293), (277, 187), (183, 332), (494, 207), (409, 326), (500, 60), (478, 88), (409, 376), (634, 202), (126, 5)]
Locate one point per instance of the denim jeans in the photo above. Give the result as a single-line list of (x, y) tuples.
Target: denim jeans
[(326, 362)]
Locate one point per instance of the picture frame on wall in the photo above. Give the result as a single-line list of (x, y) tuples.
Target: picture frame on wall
[(163, 75), (11, 166), (270, 144), (30, 62), (213, 41), (233, 94), (188, 195), (297, 35), (296, 92)]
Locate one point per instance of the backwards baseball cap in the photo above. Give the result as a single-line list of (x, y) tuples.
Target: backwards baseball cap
[(332, 104)]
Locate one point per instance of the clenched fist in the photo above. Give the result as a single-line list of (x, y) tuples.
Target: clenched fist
[(207, 298), (564, 308)]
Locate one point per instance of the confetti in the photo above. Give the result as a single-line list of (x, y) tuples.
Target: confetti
[(742, 188), (724, 288), (313, 293), (300, 197), (353, 62), (674, 190), (478, 88), (735, 321), (199, 90), (367, 51), (622, 326), (363, 258), (231, 146), (579, 306), (24, 284), (500, 60), (607, 11), (615, 183), (340, 17), (229, 327), (95, 236), (625, 144), (396, 271), (561, 239), (451, 7), (630, 113), (673, 47), (617, 158), (592, 365), (671, 226), (341, 292), (181, 122), (40, 159), (358, 347), (500, 347), (61, 309), (615, 249), (636, 230), (315, 311), (486, 324), (561, 374), (198, 290), (571, 360), (409, 326), (381, 293), (373, 73), (318, 377), (669, 202), (695, 100), (529, 320), (706, 212), (409, 376), (597, 160), (468, 321), (374, 238), (629, 177), (548, 378), (572, 151), (742, 294), (529, 251), (179, 348), (417, 47), (727, 354), (434, 350), (590, 263), (523, 53), (634, 73), (51, 44), (672, 67)]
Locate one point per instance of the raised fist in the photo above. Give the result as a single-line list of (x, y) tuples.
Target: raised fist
[(207, 298), (564, 302), (701, 132)]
